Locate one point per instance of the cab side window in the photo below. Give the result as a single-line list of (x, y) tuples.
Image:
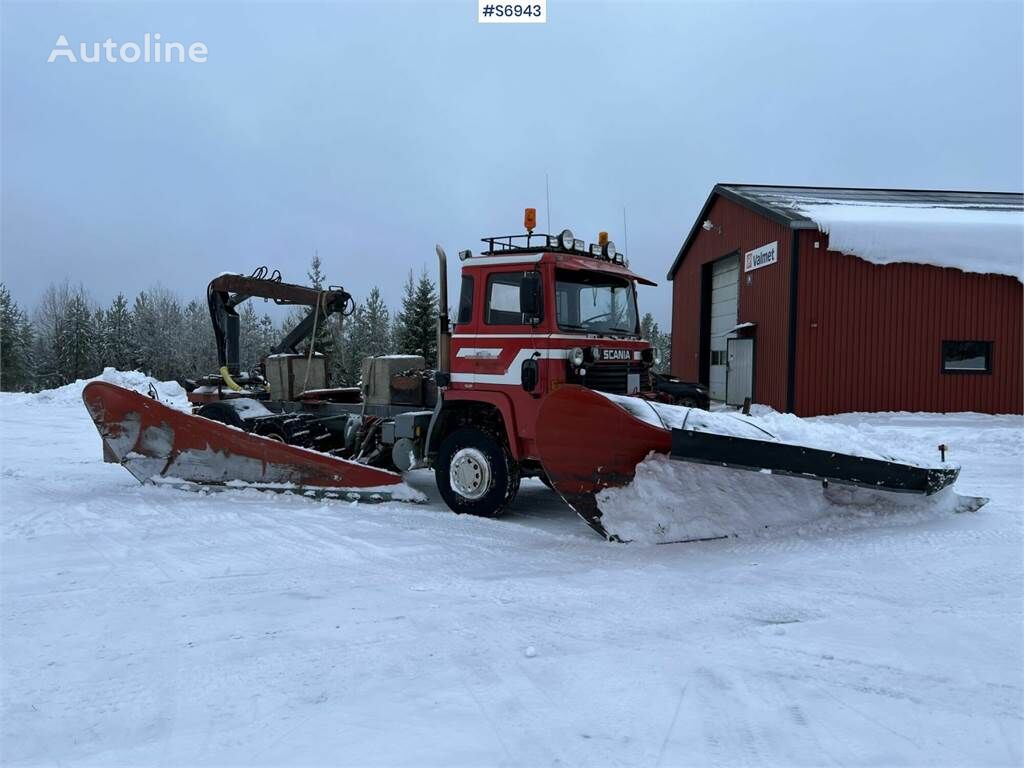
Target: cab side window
[(503, 307), (466, 301)]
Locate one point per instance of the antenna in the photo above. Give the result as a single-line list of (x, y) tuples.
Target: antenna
[(547, 199), (625, 231)]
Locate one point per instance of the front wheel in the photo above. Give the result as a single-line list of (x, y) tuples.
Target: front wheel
[(475, 473)]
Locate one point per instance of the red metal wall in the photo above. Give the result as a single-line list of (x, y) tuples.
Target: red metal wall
[(870, 336), (764, 301)]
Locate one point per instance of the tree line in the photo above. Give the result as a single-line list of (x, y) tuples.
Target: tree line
[(69, 336)]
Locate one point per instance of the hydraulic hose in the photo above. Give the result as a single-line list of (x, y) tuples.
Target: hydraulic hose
[(226, 375)]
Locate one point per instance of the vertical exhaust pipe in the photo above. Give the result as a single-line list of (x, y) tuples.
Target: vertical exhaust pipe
[(444, 336)]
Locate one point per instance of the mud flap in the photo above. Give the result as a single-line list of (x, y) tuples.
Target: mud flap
[(160, 444)]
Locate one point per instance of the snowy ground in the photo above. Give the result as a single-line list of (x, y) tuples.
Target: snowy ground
[(153, 625)]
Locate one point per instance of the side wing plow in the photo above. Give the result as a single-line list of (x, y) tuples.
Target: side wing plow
[(638, 470)]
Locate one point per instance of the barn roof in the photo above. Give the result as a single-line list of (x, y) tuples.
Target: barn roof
[(972, 231)]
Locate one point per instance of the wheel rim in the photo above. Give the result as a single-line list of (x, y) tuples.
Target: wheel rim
[(470, 473)]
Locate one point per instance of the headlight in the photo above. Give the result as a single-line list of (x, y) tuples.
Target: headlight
[(595, 354), (657, 356), (576, 357), (566, 239)]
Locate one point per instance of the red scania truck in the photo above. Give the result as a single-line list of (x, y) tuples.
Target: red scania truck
[(544, 374)]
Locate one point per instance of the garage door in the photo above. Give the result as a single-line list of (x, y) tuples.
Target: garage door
[(725, 286)]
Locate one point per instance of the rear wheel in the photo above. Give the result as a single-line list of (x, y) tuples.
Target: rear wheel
[(223, 412), (475, 472)]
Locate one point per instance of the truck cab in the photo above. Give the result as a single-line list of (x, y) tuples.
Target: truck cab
[(535, 312)]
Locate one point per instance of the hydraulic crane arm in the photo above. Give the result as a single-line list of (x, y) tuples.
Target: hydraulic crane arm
[(227, 291)]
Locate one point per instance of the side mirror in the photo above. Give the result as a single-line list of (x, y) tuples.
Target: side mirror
[(530, 297), (530, 374)]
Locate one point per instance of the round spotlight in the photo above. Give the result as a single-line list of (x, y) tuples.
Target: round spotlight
[(566, 239), (609, 250)]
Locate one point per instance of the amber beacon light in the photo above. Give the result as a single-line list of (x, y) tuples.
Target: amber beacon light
[(530, 219)]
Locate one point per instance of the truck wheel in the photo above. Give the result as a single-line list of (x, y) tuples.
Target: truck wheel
[(475, 473)]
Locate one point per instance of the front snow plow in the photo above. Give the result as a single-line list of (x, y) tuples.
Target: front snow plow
[(159, 444), (640, 470)]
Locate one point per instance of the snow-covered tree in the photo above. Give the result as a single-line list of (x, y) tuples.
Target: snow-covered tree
[(257, 335), (116, 345), (199, 349), (347, 366), (417, 321), (15, 345), (77, 352), (158, 331), (661, 341)]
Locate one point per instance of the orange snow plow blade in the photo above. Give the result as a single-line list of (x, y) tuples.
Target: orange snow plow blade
[(587, 443), (637, 469), (159, 444)]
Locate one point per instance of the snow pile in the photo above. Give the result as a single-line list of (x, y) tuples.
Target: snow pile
[(680, 501), (170, 392), (989, 241)]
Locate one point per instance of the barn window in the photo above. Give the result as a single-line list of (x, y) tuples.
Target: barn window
[(967, 357)]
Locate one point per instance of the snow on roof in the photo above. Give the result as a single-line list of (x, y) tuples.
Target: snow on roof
[(971, 231), (973, 238)]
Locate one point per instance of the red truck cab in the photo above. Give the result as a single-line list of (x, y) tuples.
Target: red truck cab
[(535, 312)]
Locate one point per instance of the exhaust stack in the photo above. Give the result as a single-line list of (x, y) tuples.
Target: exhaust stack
[(443, 331)]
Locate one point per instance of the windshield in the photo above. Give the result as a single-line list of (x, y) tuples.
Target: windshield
[(595, 303)]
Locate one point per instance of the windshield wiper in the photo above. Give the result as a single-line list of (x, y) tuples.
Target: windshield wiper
[(572, 326)]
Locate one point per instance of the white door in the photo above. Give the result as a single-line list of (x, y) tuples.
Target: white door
[(740, 377), (725, 286)]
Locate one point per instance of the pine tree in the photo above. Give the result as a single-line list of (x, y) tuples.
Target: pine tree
[(378, 324), (662, 342), (116, 346), (648, 327), (145, 346), (355, 346), (65, 341), (15, 345), (158, 331), (199, 352), (666, 354), (417, 322), (77, 350)]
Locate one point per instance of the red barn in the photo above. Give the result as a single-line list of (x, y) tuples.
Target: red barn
[(819, 300)]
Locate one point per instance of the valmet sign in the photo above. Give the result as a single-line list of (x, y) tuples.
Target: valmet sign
[(761, 257)]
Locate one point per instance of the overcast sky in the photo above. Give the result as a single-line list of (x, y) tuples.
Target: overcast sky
[(370, 131)]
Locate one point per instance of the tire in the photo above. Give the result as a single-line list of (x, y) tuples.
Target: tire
[(475, 473), (293, 430), (222, 412)]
